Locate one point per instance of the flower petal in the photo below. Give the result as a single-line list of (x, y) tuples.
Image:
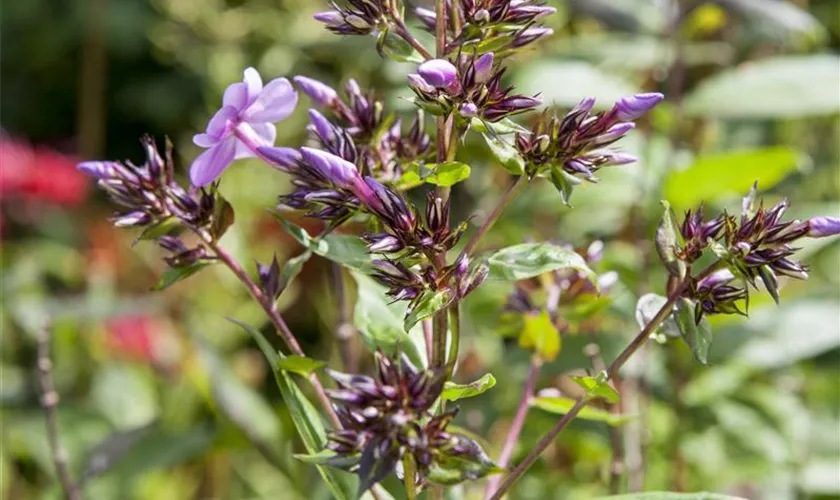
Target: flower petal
[(236, 96), (276, 102), (253, 83), (217, 128), (210, 164), (258, 135)]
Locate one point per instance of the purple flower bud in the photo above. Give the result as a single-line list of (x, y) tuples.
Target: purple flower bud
[(270, 278), (439, 73), (285, 159), (820, 227), (531, 35), (632, 107), (172, 244), (132, 219), (484, 67), (319, 92), (337, 170), (426, 16), (384, 243), (417, 82), (716, 279), (584, 107), (330, 18), (99, 169), (615, 132), (322, 126), (468, 110)]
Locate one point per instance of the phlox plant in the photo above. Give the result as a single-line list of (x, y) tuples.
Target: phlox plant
[(360, 165)]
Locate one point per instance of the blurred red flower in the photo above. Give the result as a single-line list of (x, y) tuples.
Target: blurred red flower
[(135, 337), (39, 173)]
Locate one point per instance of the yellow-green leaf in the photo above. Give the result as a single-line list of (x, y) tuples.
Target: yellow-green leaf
[(541, 335)]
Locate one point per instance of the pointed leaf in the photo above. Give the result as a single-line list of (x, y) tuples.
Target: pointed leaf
[(505, 154), (519, 262), (292, 268), (299, 364), (329, 457), (564, 182), (697, 336), (431, 302), (560, 406), (668, 241), (449, 173), (175, 274), (646, 309), (347, 250), (597, 387), (454, 392)]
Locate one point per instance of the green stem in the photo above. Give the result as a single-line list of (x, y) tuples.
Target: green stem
[(455, 338), (409, 470)]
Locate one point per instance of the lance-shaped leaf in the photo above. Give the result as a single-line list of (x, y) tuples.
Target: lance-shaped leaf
[(698, 336), (646, 309), (560, 406), (381, 324), (175, 274), (431, 302), (223, 218), (526, 260), (331, 458), (597, 387), (448, 173), (505, 154), (471, 463), (564, 182), (668, 241), (306, 419), (540, 334), (299, 364), (454, 392), (292, 268), (347, 250)]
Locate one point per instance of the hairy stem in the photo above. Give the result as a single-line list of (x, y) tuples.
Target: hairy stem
[(271, 311), (517, 424), (622, 358), (512, 192), (49, 399)]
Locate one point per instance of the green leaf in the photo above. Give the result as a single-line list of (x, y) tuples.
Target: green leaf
[(299, 364), (430, 302), (469, 465), (306, 419), (564, 182), (292, 268), (697, 336), (347, 250), (329, 457), (663, 495), (501, 127), (578, 79), (507, 156), (449, 173), (223, 217), (380, 324), (162, 228), (175, 274), (668, 240), (541, 335), (454, 392), (560, 406), (394, 47), (718, 176), (597, 387), (526, 260), (647, 307), (777, 87)]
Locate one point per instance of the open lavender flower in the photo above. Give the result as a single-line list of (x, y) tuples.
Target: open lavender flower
[(244, 123), (388, 416), (473, 88)]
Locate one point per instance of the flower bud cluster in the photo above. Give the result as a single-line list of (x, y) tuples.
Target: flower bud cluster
[(361, 120), (578, 142), (357, 17), (511, 24), (388, 416), (472, 88)]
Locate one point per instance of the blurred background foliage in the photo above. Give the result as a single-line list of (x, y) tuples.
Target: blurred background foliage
[(163, 399)]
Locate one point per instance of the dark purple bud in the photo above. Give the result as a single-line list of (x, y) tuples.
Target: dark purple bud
[(172, 244), (468, 110), (614, 133), (322, 127), (270, 278), (716, 279), (821, 227), (531, 35), (418, 83), (632, 107), (383, 243), (439, 73), (319, 92), (330, 18), (132, 219), (337, 170)]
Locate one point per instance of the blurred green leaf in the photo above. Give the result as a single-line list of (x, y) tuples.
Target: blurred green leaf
[(448, 174), (698, 336), (560, 406), (380, 324), (292, 268), (564, 182), (505, 154), (579, 79), (307, 420), (454, 392), (647, 307), (347, 250), (781, 16), (747, 429), (126, 395), (717, 176), (597, 387), (526, 260), (667, 240), (431, 302), (300, 364), (175, 274), (540, 334), (777, 87)]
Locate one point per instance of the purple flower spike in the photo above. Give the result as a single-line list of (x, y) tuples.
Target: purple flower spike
[(337, 170), (439, 73), (245, 123), (820, 227), (484, 68), (630, 108), (319, 92)]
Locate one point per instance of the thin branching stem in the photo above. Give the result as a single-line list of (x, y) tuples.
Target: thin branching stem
[(276, 319), (403, 31), (49, 400)]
